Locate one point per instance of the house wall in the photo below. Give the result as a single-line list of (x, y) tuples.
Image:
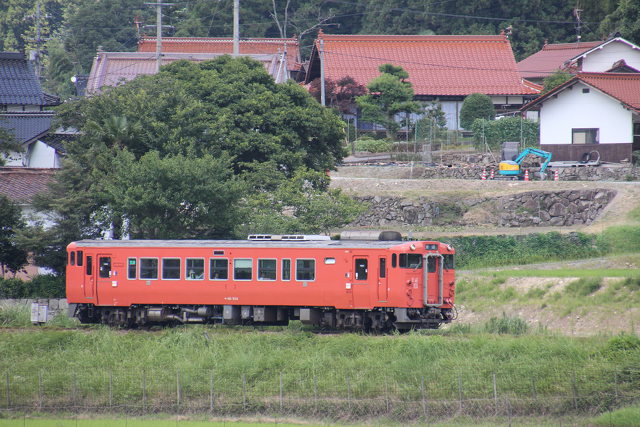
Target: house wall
[(42, 156), (602, 59)]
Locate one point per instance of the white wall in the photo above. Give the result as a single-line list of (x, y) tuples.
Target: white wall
[(42, 156), (574, 109), (603, 59)]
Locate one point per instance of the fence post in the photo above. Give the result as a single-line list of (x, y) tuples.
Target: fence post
[(386, 393), (615, 385), (8, 391), (74, 390), (575, 391), (460, 391), (424, 399), (495, 392), (144, 391), (178, 391), (40, 390), (211, 395), (244, 392), (281, 393), (533, 388), (315, 390), (110, 388), (348, 392)]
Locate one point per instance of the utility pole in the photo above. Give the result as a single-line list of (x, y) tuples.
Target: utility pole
[(37, 55), (236, 27), (159, 7), (323, 100), (576, 13)]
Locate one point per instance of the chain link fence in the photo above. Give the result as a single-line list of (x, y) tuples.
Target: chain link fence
[(315, 396)]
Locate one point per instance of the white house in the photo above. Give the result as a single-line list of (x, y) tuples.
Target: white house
[(591, 112)]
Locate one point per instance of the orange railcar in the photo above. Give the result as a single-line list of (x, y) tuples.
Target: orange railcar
[(268, 280)]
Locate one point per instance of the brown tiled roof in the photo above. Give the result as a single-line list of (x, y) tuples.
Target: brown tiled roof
[(437, 65), (552, 58), (224, 45), (22, 184), (625, 87)]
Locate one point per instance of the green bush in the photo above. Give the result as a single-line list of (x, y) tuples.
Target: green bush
[(476, 106), (372, 145), (583, 287), (495, 132), (506, 325), (42, 286)]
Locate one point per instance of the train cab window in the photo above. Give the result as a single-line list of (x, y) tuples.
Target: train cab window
[(448, 262), (149, 268), (171, 268), (411, 261), (132, 268), (218, 269), (267, 269), (89, 265), (286, 269), (431, 265), (242, 269), (394, 261), (72, 258), (105, 267), (383, 268), (305, 269), (80, 257), (194, 269), (362, 268)]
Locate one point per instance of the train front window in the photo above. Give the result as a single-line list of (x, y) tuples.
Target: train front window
[(105, 267), (194, 269), (267, 269), (448, 262), (242, 269), (410, 261), (73, 258), (80, 256), (149, 268), (171, 269), (431, 265), (305, 269), (218, 269)]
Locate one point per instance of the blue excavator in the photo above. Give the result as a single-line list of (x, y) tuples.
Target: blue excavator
[(512, 169)]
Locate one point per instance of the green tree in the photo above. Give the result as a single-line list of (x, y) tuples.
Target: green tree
[(625, 19), (476, 106), (556, 79), (8, 144), (389, 94), (12, 256)]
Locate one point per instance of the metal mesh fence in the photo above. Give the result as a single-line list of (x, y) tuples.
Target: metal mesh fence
[(346, 398)]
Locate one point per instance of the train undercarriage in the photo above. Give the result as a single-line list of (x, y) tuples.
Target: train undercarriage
[(378, 320)]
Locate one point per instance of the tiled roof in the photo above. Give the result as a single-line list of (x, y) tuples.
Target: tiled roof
[(437, 65), (22, 184), (552, 57), (18, 82), (57, 140), (220, 45), (27, 126), (624, 87), (114, 68)]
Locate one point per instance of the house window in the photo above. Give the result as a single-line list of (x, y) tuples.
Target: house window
[(194, 269), (149, 268), (305, 269), (267, 269), (171, 269), (585, 136), (218, 269)]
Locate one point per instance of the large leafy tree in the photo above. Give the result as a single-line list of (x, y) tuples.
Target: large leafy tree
[(625, 19), (476, 106), (12, 256), (389, 94)]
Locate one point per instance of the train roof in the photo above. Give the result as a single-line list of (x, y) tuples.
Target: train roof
[(312, 244)]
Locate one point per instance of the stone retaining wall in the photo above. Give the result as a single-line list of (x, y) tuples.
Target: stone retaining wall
[(56, 305), (560, 208)]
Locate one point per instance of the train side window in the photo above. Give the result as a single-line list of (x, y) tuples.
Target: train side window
[(383, 268), (194, 269), (132, 268), (105, 267), (149, 268), (218, 269), (267, 269), (431, 265), (305, 269), (80, 256), (448, 262), (394, 261), (89, 265), (242, 269), (361, 268), (286, 269), (171, 269), (72, 259), (411, 260)]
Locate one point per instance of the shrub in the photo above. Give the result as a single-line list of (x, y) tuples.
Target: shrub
[(371, 145), (583, 287), (42, 286), (476, 106), (506, 325), (495, 132)]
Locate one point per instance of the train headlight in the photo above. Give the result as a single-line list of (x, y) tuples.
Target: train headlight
[(412, 247)]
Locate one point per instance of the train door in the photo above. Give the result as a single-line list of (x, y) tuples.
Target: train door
[(103, 275), (382, 279), (361, 280), (433, 280), (89, 278)]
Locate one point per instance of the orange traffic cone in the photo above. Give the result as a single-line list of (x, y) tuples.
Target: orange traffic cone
[(526, 175), (493, 175), (556, 175), (484, 175)]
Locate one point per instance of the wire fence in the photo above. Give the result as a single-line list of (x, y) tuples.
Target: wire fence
[(327, 397)]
